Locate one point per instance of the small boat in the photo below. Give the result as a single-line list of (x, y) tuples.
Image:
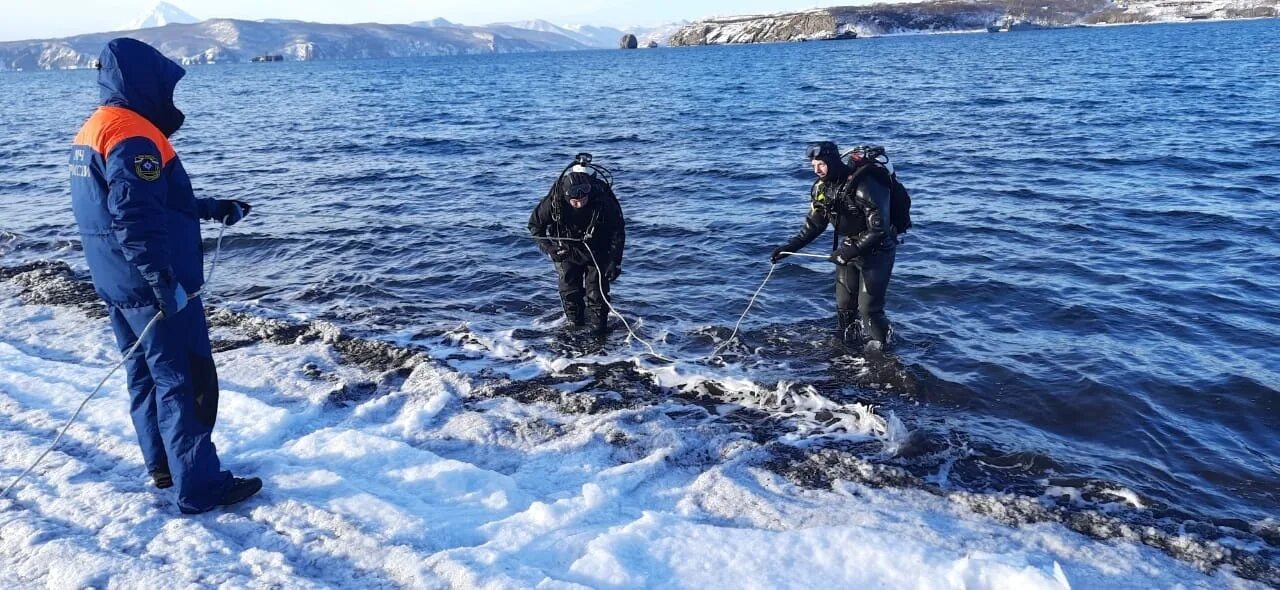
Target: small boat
[(268, 58)]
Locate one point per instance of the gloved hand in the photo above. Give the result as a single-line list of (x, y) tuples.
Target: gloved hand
[(778, 254), (845, 254), (612, 273), (559, 254), (229, 211), (170, 299)]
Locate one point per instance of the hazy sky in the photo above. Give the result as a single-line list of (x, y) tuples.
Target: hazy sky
[(31, 19)]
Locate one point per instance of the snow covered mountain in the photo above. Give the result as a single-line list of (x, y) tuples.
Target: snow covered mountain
[(598, 37), (660, 34), (435, 22), (948, 15), (227, 40), (160, 15)]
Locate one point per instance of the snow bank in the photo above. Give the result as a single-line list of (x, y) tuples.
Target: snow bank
[(425, 483)]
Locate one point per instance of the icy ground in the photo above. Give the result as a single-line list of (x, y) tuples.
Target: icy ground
[(431, 484)]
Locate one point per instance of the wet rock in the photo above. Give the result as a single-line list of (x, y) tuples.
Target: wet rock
[(53, 283), (822, 467), (311, 371), (353, 393), (225, 344)]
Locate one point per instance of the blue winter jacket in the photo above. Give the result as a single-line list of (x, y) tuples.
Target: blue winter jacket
[(138, 216)]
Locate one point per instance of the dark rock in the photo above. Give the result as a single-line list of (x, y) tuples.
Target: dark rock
[(628, 41), (350, 393), (52, 283), (311, 371)]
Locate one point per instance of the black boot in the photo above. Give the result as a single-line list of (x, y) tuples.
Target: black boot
[(850, 327), (162, 479), (878, 329), (599, 320), (240, 490), (573, 315)]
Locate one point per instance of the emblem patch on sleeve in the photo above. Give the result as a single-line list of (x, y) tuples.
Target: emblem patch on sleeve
[(147, 167)]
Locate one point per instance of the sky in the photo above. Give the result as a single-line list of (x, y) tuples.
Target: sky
[(29, 19)]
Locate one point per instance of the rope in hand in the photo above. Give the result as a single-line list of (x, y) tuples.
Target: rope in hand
[(221, 230)]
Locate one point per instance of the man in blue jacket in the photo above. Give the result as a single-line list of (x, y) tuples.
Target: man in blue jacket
[(139, 223)]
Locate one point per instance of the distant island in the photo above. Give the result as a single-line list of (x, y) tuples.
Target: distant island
[(843, 22)]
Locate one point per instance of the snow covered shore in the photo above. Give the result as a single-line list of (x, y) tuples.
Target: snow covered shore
[(439, 482)]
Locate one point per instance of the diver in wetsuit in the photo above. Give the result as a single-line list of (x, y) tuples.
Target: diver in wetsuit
[(579, 225), (855, 199)]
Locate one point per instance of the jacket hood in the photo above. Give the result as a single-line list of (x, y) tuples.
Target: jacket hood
[(136, 76)]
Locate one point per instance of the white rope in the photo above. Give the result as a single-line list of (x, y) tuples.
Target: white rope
[(217, 250), (222, 229), (600, 276), (82, 405), (772, 267)]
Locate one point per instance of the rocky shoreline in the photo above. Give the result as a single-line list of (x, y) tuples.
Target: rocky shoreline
[(845, 22), (753, 437)]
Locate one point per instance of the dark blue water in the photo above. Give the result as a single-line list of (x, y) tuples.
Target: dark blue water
[(1090, 298)]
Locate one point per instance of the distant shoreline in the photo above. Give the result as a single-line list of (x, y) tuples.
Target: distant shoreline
[(916, 33)]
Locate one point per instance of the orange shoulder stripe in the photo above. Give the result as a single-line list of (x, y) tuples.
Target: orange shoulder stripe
[(108, 126)]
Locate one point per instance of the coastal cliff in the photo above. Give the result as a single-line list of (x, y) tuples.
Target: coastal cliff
[(942, 16)]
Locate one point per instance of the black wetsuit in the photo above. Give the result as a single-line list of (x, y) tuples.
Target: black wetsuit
[(857, 204), (601, 224)]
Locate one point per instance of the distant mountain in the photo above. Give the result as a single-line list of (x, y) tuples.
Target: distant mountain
[(227, 40), (543, 26), (539, 36), (957, 15), (660, 34), (435, 22), (600, 37), (160, 15), (597, 36)]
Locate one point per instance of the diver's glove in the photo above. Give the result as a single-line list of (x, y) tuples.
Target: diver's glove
[(612, 273), (230, 211), (559, 254), (171, 298), (844, 254), (778, 254)]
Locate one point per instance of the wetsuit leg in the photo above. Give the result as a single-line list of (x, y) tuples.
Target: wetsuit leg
[(847, 280), (142, 399), (175, 352), (597, 308), (571, 290), (876, 270)]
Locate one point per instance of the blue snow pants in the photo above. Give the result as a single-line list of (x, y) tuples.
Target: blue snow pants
[(173, 391)]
